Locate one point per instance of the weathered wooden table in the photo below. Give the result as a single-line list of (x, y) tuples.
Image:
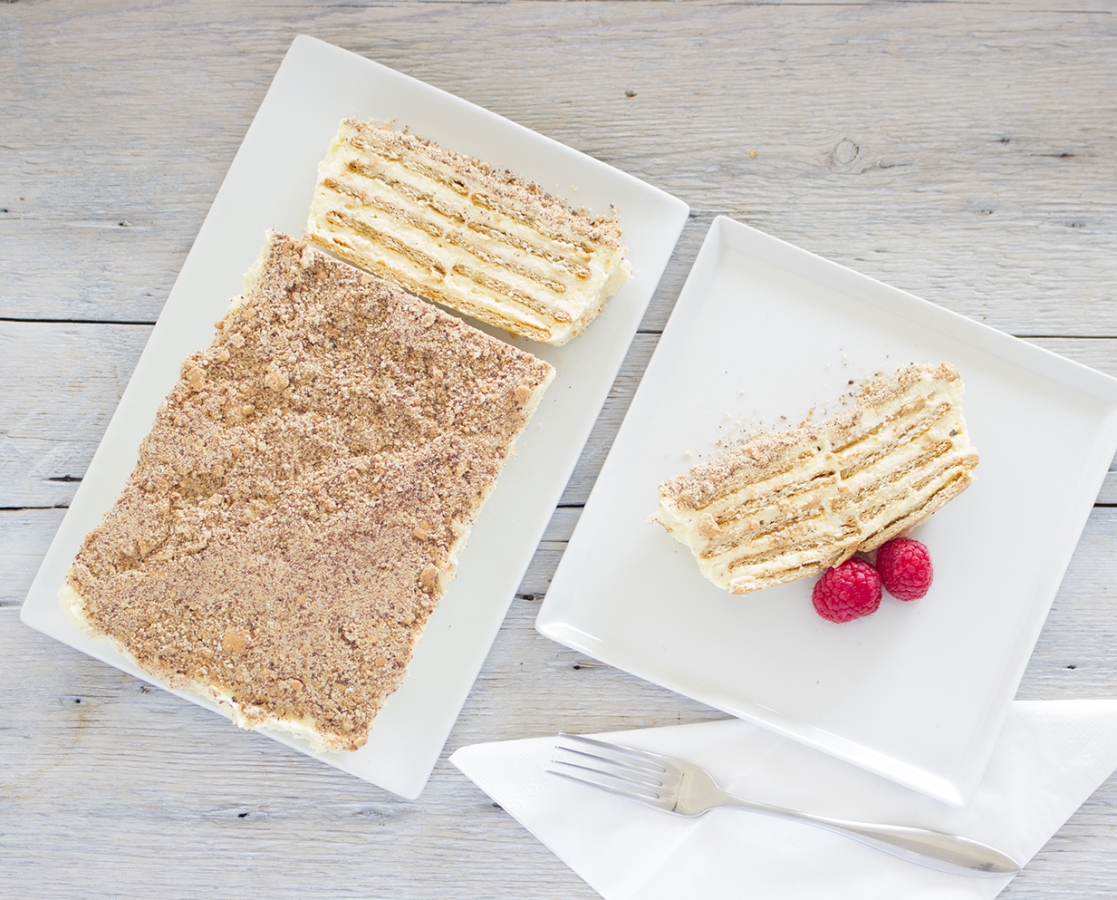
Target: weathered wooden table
[(964, 152)]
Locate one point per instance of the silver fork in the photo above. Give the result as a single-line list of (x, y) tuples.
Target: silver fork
[(685, 789)]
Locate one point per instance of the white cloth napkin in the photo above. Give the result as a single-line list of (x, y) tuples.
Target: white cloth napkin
[(1050, 757)]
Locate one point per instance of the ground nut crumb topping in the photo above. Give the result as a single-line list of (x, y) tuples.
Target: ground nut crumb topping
[(298, 507)]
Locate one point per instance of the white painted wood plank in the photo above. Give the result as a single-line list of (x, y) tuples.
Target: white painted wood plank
[(1000, 206), (71, 377), (562, 523), (61, 384), (25, 535)]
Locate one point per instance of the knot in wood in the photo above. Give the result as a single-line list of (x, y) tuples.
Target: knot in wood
[(845, 152)]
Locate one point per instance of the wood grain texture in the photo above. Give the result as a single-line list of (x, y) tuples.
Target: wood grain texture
[(70, 379), (964, 152), (965, 156)]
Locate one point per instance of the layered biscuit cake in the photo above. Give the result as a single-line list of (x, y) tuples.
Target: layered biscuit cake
[(302, 499), (449, 228), (782, 505)]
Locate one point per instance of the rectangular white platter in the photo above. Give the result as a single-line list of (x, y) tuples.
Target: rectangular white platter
[(269, 185), (764, 332)]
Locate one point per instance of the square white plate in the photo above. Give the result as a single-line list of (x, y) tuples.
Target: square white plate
[(918, 691), (270, 185)]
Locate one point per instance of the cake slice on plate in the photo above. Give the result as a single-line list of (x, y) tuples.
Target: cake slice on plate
[(783, 505)]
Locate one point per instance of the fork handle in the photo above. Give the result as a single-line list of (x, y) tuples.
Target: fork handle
[(934, 849)]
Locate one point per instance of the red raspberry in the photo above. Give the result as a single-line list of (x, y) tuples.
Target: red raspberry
[(905, 568), (850, 591)]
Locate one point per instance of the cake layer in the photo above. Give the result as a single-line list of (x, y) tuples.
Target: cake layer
[(300, 504), (782, 505), (449, 228)]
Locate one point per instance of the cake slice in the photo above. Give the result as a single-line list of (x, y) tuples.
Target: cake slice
[(303, 497), (783, 505), (903, 451), (449, 228)]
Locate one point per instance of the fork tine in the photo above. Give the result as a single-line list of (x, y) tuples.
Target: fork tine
[(602, 777), (625, 756), (620, 771), (603, 782)]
